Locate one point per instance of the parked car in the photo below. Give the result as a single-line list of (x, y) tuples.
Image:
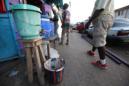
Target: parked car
[(80, 27), (118, 33), (74, 27)]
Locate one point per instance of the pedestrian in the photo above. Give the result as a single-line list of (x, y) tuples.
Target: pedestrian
[(65, 24), (102, 20), (55, 19)]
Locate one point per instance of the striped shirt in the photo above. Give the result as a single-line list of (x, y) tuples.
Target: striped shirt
[(66, 16)]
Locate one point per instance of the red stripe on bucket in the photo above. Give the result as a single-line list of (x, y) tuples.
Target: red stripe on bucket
[(54, 77), (2, 6), (60, 75)]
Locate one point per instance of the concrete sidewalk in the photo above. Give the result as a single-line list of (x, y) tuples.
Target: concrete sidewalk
[(78, 70)]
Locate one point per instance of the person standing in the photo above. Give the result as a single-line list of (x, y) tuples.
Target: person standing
[(102, 20), (55, 19), (65, 24)]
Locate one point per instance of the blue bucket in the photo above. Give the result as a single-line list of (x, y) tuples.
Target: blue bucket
[(48, 28)]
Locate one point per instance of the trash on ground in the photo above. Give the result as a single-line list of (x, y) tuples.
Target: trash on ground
[(13, 73), (53, 52)]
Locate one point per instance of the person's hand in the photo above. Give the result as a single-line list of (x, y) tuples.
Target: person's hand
[(62, 25), (41, 32), (51, 19)]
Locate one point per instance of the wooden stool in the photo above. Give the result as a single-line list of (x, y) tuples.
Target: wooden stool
[(46, 42), (34, 51)]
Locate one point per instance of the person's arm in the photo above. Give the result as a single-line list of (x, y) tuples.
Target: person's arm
[(99, 7), (63, 16), (95, 15)]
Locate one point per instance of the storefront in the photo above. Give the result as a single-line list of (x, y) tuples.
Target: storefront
[(9, 46)]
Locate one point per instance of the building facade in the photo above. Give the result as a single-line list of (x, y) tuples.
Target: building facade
[(122, 12)]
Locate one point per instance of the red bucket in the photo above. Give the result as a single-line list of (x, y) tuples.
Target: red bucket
[(54, 76)]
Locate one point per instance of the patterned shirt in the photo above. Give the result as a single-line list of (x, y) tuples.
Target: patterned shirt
[(66, 16)]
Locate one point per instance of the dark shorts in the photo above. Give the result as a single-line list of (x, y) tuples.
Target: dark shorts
[(66, 26)]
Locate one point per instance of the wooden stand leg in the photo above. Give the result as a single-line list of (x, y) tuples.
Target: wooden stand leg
[(48, 50), (38, 65), (54, 43), (42, 55), (34, 47), (29, 64)]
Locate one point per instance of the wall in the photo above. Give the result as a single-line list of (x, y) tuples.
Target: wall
[(122, 12), (8, 42)]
